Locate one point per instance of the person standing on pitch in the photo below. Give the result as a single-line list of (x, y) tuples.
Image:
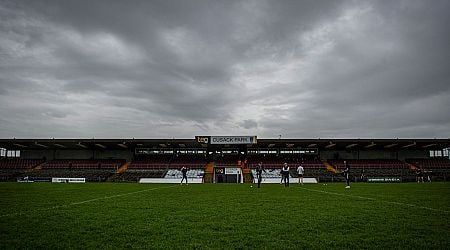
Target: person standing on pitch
[(419, 174), (300, 171), (184, 172), (346, 174), (259, 170), (285, 172)]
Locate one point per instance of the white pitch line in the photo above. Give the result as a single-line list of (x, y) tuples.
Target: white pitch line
[(83, 202), (373, 199)]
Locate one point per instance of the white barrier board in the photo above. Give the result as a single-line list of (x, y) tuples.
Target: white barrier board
[(69, 180), (170, 180), (291, 180), (199, 181)]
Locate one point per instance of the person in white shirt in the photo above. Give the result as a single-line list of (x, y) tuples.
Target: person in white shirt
[(300, 171)]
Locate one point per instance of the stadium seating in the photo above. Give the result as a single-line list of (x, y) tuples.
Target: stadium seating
[(16, 163), (84, 164), (274, 162), (433, 168), (388, 163), (190, 161), (227, 160), (92, 170), (11, 168), (91, 175), (364, 168), (269, 161), (433, 163), (168, 166), (152, 162), (9, 174), (133, 175)]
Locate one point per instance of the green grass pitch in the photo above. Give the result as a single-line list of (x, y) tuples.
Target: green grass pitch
[(224, 216)]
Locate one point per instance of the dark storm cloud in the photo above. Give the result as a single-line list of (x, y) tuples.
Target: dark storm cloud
[(180, 68), (248, 124)]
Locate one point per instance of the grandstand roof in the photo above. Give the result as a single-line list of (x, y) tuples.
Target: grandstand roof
[(321, 144)]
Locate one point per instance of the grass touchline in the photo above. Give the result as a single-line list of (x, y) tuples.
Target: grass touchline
[(373, 199)]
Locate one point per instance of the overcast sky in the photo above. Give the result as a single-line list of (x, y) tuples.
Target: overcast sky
[(164, 69)]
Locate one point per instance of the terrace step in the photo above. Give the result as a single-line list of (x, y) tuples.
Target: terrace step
[(412, 166), (38, 167), (209, 170), (123, 168), (329, 167)]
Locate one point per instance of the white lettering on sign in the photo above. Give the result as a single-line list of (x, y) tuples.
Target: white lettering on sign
[(233, 139)]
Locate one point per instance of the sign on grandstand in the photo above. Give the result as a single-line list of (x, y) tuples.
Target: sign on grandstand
[(226, 139), (232, 170), (384, 179), (69, 180), (151, 151)]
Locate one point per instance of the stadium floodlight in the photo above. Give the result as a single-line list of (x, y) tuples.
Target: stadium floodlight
[(312, 145), (100, 145), (40, 145), (391, 145), (59, 145), (330, 145), (122, 145), (371, 145), (351, 145), (20, 145), (409, 145), (81, 145)]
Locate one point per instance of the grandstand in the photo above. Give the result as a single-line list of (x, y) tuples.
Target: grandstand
[(213, 158)]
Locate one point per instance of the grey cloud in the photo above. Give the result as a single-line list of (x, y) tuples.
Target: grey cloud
[(297, 68), (249, 124)]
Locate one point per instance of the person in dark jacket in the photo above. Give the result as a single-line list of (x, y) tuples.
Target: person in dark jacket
[(184, 170), (346, 173), (259, 170)]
